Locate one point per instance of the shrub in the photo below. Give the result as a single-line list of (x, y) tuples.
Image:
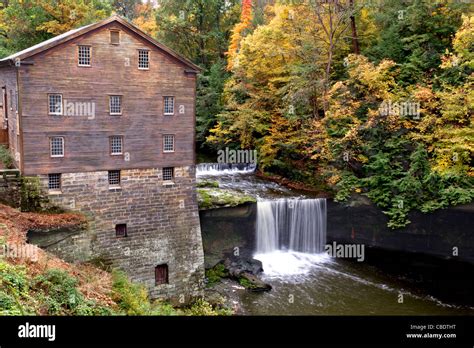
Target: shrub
[(133, 298), (162, 308), (203, 308), (59, 291), (6, 157), (32, 197), (13, 290), (59, 295), (215, 274)]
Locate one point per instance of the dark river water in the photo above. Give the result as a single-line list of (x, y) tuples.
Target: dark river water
[(316, 284), (320, 285)]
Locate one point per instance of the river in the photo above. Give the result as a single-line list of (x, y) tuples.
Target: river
[(290, 233)]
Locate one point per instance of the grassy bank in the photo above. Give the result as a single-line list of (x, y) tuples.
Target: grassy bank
[(38, 283)]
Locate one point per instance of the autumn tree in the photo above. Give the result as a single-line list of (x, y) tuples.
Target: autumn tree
[(145, 18), (70, 14), (24, 23), (238, 32), (198, 29), (315, 112), (19, 21), (127, 8), (415, 34)]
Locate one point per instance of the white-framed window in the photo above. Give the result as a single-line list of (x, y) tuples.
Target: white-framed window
[(55, 104), (143, 59), (54, 182), (116, 145), (168, 103), (84, 55), (168, 174), (115, 37), (114, 178), (168, 143), (115, 103), (56, 146)]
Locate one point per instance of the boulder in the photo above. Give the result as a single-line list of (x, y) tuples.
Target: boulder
[(238, 266), (245, 271), (252, 283)]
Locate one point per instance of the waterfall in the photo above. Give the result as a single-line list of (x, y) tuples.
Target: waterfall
[(224, 168), (293, 224)]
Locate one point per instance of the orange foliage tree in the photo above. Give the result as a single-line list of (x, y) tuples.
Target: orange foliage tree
[(146, 18), (238, 32)]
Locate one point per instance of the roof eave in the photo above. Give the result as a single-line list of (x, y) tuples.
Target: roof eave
[(194, 68), (7, 62)]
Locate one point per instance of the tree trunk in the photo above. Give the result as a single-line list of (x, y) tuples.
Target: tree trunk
[(355, 38)]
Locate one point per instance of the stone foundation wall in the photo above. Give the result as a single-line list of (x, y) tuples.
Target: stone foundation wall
[(10, 187), (162, 227)]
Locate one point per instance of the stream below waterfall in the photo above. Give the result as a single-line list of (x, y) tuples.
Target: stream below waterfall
[(290, 238)]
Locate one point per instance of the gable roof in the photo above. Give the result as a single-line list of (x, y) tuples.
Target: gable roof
[(72, 34)]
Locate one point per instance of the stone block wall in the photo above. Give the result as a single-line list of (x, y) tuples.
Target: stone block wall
[(162, 227), (10, 187)]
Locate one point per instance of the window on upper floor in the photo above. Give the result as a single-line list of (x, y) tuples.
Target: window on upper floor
[(115, 104), (116, 145), (143, 59), (168, 143), (55, 104), (56, 146), (168, 103), (84, 55), (115, 37), (54, 182)]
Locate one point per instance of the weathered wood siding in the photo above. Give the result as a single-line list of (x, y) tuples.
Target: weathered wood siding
[(9, 108), (87, 139)]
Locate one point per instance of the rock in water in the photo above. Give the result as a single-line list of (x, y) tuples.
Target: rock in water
[(245, 271), (252, 283), (239, 265)]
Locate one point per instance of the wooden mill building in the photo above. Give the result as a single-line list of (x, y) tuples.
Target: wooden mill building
[(104, 116)]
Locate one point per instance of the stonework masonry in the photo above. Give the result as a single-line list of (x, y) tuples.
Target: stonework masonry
[(162, 227)]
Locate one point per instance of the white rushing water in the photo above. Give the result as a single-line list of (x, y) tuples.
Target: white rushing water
[(291, 224), (291, 235), (284, 264), (203, 169)]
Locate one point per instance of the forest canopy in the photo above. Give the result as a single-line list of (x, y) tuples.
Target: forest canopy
[(352, 96), (373, 97)]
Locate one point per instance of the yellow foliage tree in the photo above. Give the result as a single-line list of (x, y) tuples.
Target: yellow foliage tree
[(145, 19), (69, 14)]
